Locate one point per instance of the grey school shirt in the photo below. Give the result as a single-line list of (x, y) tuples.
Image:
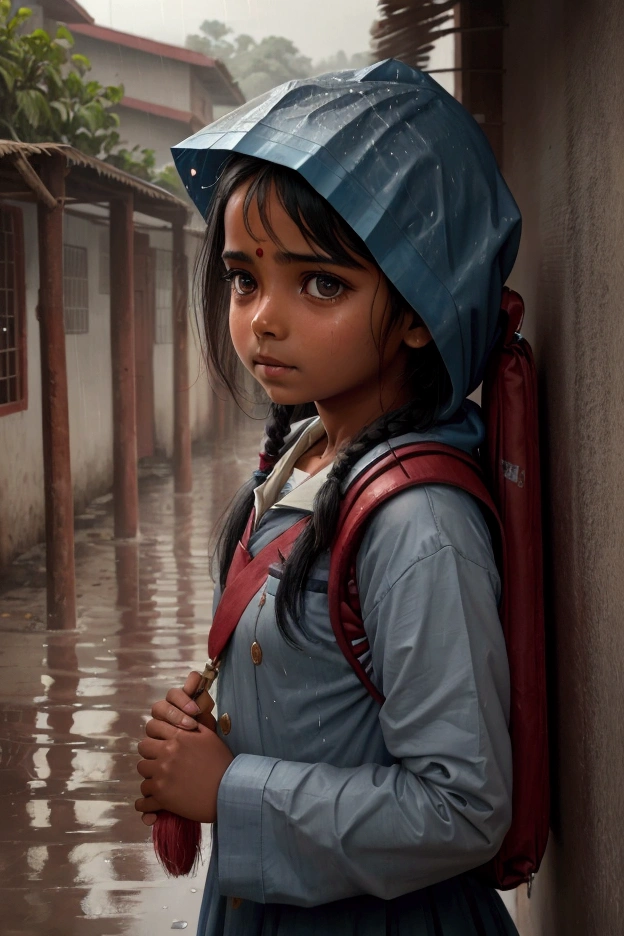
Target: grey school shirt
[(333, 803)]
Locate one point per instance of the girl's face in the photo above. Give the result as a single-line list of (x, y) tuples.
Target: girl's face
[(307, 328)]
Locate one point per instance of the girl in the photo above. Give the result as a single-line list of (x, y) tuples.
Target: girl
[(358, 237)]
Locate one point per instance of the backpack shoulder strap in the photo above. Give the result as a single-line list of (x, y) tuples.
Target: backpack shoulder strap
[(393, 472), (243, 582)]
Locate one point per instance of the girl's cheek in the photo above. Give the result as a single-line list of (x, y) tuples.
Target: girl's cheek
[(239, 329)]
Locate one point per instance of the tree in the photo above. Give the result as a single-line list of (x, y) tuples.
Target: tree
[(43, 92), (45, 96), (341, 60), (257, 66), (260, 66)]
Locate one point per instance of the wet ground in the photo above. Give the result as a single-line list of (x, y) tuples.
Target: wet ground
[(75, 858)]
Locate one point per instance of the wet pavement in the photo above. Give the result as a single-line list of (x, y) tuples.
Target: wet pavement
[(75, 859)]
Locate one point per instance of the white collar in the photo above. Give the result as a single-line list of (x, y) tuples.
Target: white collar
[(302, 497)]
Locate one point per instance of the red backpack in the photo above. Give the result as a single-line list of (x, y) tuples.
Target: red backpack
[(507, 486)]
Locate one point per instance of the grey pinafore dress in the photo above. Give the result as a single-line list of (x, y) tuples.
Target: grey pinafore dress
[(338, 816)]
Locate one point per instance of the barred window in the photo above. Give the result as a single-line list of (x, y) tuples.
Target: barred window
[(13, 383), (76, 290), (164, 297), (105, 262)]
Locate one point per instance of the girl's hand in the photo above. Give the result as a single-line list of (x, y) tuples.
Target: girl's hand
[(182, 771), (179, 709)]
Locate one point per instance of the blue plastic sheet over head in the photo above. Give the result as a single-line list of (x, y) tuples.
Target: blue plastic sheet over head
[(411, 172)]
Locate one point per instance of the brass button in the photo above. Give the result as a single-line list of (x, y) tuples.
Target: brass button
[(225, 723), (256, 653), (236, 902)]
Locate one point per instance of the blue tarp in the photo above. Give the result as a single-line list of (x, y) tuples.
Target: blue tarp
[(410, 170)]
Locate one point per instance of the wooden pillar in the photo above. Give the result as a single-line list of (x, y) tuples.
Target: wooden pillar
[(59, 501), (125, 479), (183, 479)]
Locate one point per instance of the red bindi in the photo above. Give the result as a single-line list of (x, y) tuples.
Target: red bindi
[(259, 252)]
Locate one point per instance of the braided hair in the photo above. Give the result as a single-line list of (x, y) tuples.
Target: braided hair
[(417, 415), (428, 378)]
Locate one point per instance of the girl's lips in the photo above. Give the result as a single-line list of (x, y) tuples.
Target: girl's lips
[(265, 359), (274, 370)]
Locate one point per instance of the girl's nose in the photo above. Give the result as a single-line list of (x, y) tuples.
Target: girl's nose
[(268, 321)]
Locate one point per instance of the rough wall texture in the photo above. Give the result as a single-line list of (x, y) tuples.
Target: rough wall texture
[(22, 504), (564, 140), (89, 379)]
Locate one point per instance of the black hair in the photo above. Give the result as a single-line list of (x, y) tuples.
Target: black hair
[(428, 377)]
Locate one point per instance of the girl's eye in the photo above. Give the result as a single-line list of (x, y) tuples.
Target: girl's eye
[(242, 283), (323, 286)]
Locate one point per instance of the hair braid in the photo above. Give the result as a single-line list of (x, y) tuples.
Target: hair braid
[(320, 531), (275, 431)]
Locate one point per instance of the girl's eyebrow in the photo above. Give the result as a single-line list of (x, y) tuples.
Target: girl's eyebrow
[(282, 257)]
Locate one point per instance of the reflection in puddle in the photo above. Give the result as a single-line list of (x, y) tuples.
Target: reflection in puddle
[(74, 704)]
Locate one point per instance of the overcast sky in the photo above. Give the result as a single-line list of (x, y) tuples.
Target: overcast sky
[(317, 27)]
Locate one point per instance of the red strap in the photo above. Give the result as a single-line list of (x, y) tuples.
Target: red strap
[(418, 463), (240, 589), (403, 467), (241, 557)]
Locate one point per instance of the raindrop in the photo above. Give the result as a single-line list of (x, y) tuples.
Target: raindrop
[(179, 924), (193, 890), (165, 906)]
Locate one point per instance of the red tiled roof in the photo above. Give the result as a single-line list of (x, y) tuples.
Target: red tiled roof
[(141, 44), (159, 110), (214, 74)]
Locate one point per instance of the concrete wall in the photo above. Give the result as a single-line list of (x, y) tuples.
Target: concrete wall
[(151, 132), (90, 405), (200, 394), (144, 76), (89, 379), (564, 140), (90, 397)]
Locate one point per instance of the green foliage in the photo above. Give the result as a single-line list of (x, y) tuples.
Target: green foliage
[(44, 95), (169, 179), (341, 60), (138, 162), (260, 66), (257, 66)]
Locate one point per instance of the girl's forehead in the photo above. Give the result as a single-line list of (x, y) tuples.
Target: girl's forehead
[(244, 221)]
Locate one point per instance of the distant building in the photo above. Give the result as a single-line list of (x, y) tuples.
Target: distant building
[(170, 92), (47, 13)]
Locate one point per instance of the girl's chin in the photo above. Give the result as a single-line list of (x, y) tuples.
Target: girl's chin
[(282, 397)]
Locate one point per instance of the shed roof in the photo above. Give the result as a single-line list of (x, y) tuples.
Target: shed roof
[(91, 179), (214, 74)]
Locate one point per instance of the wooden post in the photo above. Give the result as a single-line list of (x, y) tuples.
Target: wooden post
[(59, 501), (125, 471), (183, 479)]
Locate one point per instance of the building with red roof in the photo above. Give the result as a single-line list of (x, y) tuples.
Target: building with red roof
[(170, 91)]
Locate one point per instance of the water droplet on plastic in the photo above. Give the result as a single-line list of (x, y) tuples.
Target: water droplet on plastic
[(179, 924), (193, 890)]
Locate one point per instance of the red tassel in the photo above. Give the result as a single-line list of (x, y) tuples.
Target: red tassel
[(177, 843)]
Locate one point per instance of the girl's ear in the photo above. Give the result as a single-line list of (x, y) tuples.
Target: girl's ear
[(417, 337)]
